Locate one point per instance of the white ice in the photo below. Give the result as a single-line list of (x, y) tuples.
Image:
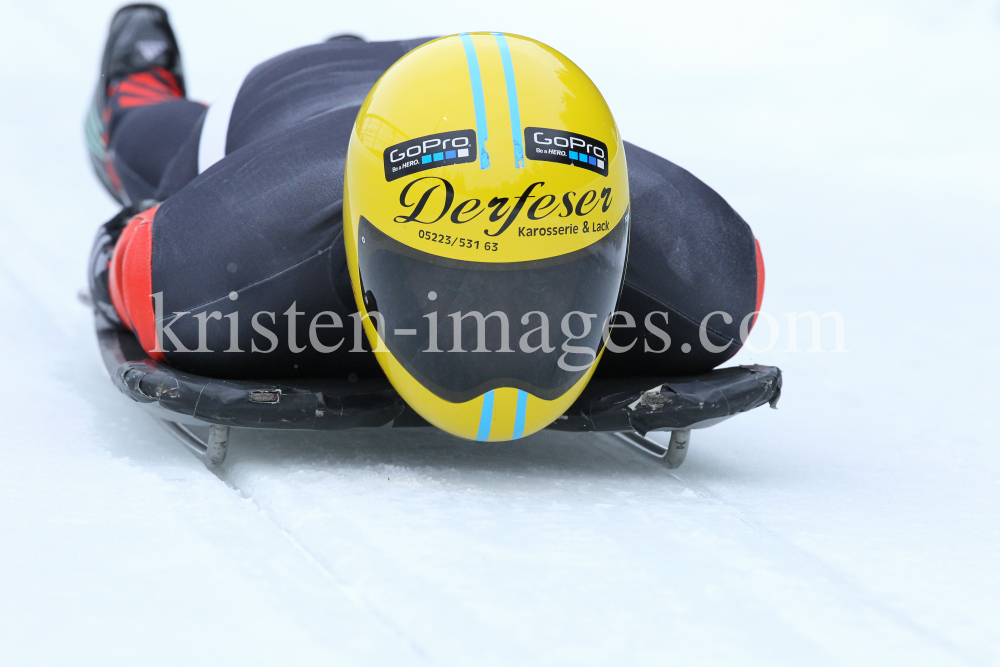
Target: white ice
[(858, 524)]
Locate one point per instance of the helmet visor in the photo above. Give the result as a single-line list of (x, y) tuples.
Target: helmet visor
[(463, 328)]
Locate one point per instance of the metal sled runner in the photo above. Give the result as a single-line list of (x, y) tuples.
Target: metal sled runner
[(630, 407)]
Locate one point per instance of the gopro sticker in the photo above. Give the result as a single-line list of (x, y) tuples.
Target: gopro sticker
[(571, 148), (434, 150)]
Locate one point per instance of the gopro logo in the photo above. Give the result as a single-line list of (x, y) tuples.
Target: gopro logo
[(570, 148), (434, 150)]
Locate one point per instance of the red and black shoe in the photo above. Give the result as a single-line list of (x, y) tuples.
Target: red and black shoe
[(141, 66)]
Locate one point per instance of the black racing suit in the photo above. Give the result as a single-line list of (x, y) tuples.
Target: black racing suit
[(264, 224)]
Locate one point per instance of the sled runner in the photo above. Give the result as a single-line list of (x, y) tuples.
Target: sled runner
[(630, 407)]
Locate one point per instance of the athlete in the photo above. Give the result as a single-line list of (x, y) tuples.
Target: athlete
[(231, 257)]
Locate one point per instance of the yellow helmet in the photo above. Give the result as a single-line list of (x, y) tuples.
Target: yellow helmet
[(486, 221)]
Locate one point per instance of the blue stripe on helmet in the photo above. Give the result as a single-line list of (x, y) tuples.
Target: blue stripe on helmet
[(486, 417), (478, 100), (522, 406), (515, 111)]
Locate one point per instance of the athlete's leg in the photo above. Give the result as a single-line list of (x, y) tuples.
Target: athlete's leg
[(149, 124), (221, 281), (139, 118), (243, 270)]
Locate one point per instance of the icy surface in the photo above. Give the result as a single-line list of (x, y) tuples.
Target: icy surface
[(856, 525)]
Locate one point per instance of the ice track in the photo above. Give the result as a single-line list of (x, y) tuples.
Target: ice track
[(505, 536)]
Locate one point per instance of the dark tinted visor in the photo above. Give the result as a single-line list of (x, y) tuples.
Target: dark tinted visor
[(463, 328)]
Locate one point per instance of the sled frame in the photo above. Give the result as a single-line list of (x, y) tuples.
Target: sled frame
[(672, 455), (630, 407), (212, 451)]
